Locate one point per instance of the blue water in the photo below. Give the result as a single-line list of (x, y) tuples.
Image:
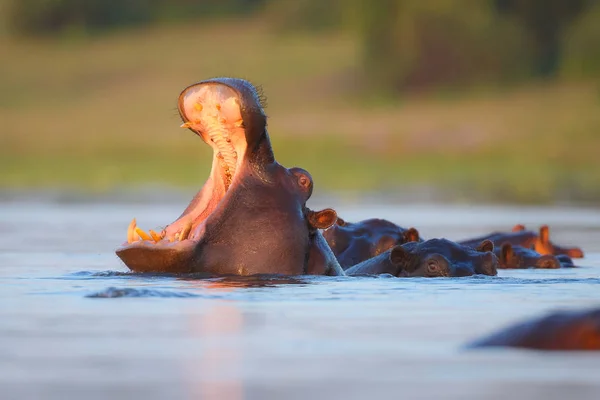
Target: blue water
[(75, 324)]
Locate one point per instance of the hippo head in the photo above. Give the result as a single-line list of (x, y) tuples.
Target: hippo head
[(250, 217), (518, 257), (442, 258), (543, 245)]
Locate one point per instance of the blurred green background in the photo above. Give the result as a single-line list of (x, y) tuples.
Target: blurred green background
[(487, 100)]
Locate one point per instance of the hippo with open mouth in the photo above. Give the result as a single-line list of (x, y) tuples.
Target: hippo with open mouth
[(250, 217)]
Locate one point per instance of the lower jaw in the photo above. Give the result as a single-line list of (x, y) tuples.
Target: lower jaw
[(160, 257)]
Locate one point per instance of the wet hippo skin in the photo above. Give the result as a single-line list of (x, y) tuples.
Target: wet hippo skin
[(518, 257), (250, 217), (565, 330), (355, 242), (431, 258), (539, 241)]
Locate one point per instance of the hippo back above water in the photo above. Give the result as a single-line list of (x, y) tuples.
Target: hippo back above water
[(563, 330)]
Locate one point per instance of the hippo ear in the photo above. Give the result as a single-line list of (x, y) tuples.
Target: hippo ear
[(507, 252), (410, 235), (544, 234), (485, 246), (398, 255), (518, 228), (340, 222), (322, 219)]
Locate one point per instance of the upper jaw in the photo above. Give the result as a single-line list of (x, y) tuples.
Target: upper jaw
[(213, 111), (237, 101)]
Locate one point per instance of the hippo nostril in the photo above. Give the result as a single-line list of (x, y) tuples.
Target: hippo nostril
[(433, 267)]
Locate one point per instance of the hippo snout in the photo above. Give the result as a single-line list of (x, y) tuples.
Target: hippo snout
[(489, 264), (548, 262)]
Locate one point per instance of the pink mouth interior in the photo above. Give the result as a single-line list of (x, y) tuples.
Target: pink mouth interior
[(213, 112)]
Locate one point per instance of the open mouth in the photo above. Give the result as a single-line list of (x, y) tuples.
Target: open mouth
[(212, 110)]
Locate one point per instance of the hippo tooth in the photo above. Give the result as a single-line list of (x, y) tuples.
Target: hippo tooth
[(130, 231), (186, 125), (185, 232), (154, 235), (142, 234), (239, 123)]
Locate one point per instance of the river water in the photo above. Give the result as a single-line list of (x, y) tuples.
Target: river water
[(75, 324)]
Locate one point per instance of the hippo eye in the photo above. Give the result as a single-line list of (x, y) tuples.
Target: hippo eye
[(303, 181)]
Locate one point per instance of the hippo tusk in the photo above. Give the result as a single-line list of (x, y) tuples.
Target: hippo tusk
[(130, 231), (185, 232), (142, 234), (155, 235)]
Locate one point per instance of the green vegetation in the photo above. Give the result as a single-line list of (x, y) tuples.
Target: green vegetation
[(98, 111)]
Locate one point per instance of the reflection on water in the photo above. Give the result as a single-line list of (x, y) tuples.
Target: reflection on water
[(74, 323), (230, 282), (217, 374)]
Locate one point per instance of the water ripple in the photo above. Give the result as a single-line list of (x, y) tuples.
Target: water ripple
[(113, 292)]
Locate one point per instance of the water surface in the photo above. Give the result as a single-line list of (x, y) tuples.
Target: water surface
[(75, 324)]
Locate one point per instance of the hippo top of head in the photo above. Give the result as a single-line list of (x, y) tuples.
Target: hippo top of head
[(543, 245), (520, 236), (442, 257), (367, 238), (518, 257)]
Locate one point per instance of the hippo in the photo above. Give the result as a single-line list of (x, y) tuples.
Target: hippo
[(250, 217), (356, 242), (518, 257), (431, 258), (528, 239), (561, 330)]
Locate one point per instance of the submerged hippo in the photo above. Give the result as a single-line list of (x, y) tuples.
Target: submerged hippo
[(518, 257), (353, 243), (431, 258), (250, 217), (567, 330), (528, 239)]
